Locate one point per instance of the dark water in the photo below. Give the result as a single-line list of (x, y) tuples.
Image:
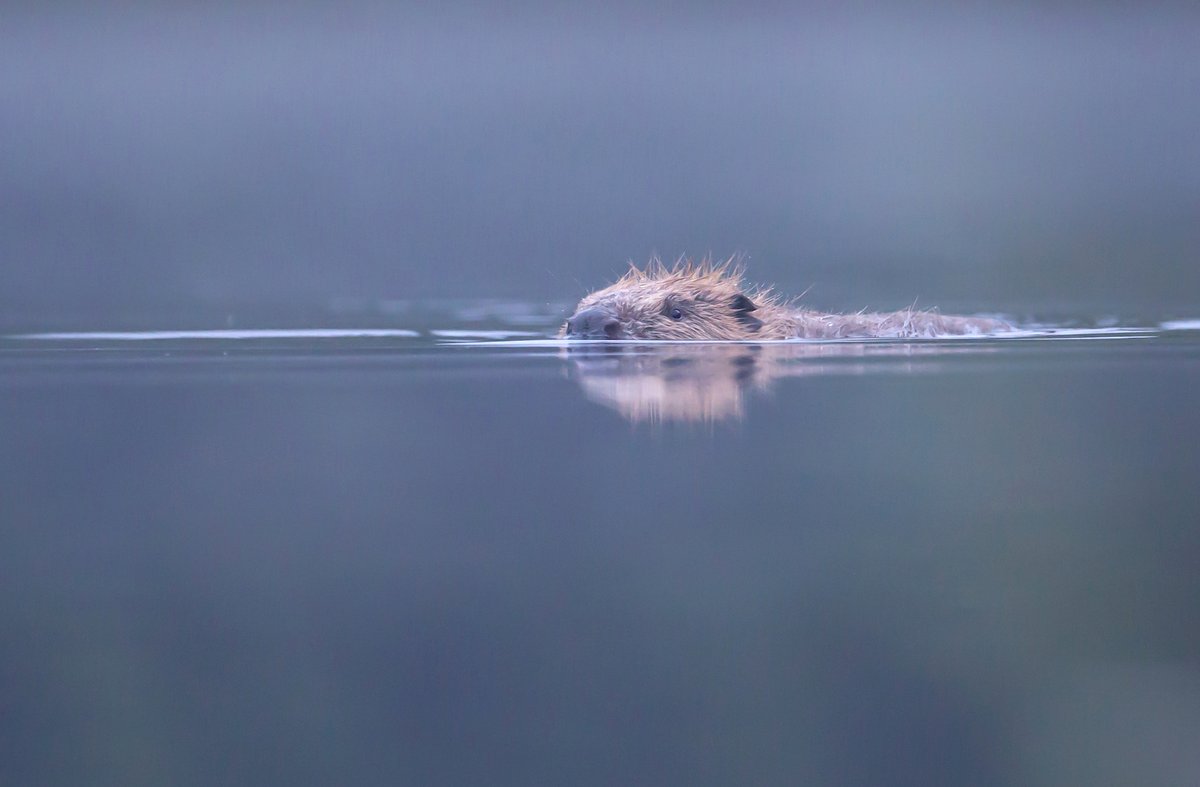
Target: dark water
[(405, 560)]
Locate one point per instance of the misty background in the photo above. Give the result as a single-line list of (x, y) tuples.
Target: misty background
[(162, 166)]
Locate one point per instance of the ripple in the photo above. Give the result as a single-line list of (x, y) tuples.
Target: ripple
[(1180, 325), (220, 335)]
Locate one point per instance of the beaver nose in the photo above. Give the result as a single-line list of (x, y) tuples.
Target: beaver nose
[(594, 323)]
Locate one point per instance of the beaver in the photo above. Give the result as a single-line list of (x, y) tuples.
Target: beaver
[(708, 301)]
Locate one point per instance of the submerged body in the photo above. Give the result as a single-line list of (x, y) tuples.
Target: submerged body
[(707, 302)]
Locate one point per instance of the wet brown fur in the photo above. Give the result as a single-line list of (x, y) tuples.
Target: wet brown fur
[(716, 304)]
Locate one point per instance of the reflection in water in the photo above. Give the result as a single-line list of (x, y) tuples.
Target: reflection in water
[(709, 382)]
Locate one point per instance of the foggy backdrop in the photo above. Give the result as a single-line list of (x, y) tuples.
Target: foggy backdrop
[(157, 163)]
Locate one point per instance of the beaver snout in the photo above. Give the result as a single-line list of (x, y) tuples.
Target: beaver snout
[(594, 323)]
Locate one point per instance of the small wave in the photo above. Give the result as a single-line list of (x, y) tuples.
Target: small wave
[(484, 334), (1074, 333), (1180, 325), (142, 336)]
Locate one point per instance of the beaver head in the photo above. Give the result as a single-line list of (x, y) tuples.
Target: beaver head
[(685, 301)]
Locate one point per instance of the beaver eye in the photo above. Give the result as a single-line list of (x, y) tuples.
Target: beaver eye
[(676, 314)]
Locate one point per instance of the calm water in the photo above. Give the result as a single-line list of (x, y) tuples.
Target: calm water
[(418, 558)]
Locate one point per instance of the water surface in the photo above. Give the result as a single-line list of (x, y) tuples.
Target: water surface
[(454, 552)]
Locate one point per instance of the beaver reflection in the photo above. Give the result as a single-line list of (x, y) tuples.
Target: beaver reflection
[(710, 382)]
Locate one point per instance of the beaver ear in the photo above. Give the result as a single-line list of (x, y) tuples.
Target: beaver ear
[(742, 306)]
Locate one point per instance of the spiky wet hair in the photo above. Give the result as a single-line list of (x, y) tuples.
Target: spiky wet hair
[(685, 301)]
